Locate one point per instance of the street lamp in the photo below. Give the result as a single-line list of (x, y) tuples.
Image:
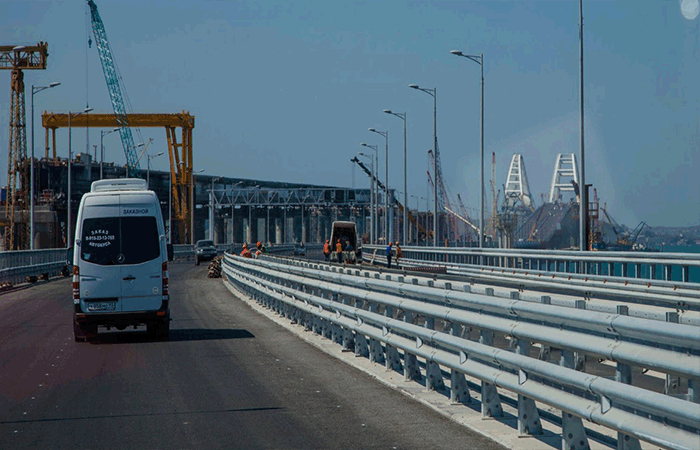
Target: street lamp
[(148, 167), (433, 93), (102, 147), (371, 196), (375, 223), (70, 160), (192, 190), (479, 59), (35, 90), (386, 182), (211, 208), (402, 116), (233, 234)]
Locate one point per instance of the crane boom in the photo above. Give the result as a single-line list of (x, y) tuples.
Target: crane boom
[(381, 186), (115, 89)]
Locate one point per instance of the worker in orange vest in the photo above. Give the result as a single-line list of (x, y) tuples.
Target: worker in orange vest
[(246, 253), (327, 251), (339, 251)]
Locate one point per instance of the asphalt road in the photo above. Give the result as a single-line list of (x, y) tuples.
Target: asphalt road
[(228, 378)]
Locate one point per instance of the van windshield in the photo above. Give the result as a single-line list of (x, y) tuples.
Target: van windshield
[(114, 240)]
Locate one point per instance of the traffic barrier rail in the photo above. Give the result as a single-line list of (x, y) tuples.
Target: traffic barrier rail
[(16, 266), (676, 294), (627, 265), (349, 306)]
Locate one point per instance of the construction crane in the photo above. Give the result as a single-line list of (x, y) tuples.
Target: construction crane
[(494, 198), (411, 218), (180, 153), (17, 59), (115, 90), (443, 194), (464, 212)]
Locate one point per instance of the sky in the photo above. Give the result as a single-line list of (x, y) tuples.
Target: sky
[(286, 91)]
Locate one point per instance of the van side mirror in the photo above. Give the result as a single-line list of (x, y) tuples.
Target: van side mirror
[(69, 256), (170, 252)]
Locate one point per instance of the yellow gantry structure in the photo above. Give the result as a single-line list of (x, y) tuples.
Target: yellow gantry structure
[(180, 152)]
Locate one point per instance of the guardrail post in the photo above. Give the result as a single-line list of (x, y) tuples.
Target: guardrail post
[(433, 374), (685, 274), (528, 416), (580, 358), (672, 382), (545, 350), (393, 360), (376, 352), (361, 347), (623, 374), (668, 270), (490, 401), (637, 270), (411, 370), (459, 390), (348, 338), (573, 434)]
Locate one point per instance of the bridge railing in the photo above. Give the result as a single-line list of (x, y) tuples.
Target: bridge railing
[(394, 320), (647, 265), (16, 266)]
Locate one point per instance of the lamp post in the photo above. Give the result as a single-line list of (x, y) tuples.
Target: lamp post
[(386, 182), (148, 167), (418, 219), (479, 59), (371, 197), (250, 215), (433, 93), (402, 116), (70, 163), (192, 191), (233, 234), (375, 223), (102, 147), (35, 90), (211, 208)]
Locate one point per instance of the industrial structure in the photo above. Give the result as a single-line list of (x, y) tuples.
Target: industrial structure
[(17, 201)]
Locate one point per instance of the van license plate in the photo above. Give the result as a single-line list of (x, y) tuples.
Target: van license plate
[(102, 306)]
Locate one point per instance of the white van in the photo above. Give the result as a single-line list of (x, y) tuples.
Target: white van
[(120, 260)]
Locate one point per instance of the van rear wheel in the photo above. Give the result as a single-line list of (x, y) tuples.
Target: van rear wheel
[(160, 331)]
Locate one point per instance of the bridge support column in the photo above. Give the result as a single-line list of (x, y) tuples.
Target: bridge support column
[(411, 370), (528, 416), (459, 390), (573, 433), (278, 230), (490, 401), (433, 374), (393, 360)]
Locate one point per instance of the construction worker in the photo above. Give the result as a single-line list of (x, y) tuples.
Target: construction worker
[(389, 254), (399, 254), (260, 249), (327, 251), (246, 253), (339, 251)]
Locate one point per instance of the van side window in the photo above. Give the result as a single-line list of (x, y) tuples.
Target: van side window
[(111, 240)]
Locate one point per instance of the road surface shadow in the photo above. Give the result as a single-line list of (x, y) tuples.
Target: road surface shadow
[(177, 335)]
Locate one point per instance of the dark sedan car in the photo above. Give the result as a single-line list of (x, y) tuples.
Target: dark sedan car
[(204, 250)]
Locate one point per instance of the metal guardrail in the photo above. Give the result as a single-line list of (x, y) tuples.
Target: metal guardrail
[(187, 250), (628, 265), (382, 316), (16, 266)]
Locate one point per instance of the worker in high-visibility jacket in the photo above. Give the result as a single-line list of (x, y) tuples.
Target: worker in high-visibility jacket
[(339, 251), (327, 250), (246, 253)]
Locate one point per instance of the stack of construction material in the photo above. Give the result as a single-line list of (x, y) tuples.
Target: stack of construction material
[(215, 268)]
